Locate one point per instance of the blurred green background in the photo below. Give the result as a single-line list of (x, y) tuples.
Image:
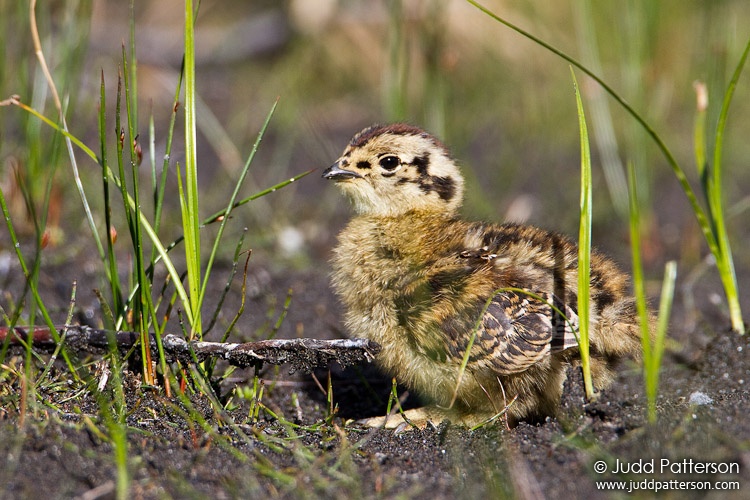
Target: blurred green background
[(502, 103)]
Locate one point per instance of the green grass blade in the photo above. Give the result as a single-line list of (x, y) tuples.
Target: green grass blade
[(189, 206), (227, 287), (113, 411), (639, 288), (584, 245), (15, 100), (113, 277), (716, 238), (653, 363), (715, 197), (145, 311), (120, 140), (635, 246)]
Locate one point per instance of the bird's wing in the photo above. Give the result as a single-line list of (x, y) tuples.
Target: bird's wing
[(518, 330)]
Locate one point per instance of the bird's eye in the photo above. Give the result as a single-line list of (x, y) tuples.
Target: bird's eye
[(389, 162)]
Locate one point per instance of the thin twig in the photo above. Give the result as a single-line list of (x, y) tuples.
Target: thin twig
[(302, 354)]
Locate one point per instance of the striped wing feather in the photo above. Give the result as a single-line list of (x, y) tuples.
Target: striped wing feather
[(519, 330)]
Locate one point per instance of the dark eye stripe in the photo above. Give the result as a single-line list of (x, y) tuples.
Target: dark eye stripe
[(421, 163), (445, 187), (363, 164)]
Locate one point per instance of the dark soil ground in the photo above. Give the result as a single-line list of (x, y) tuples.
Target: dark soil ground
[(180, 449)]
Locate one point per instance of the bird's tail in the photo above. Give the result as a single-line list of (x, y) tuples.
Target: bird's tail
[(617, 336)]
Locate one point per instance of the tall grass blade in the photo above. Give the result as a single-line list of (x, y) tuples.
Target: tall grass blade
[(715, 197), (635, 247), (584, 246), (143, 307), (113, 277), (657, 349), (189, 206)]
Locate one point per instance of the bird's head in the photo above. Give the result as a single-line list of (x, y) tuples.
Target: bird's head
[(393, 169)]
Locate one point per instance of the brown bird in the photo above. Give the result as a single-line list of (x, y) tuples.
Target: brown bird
[(428, 286)]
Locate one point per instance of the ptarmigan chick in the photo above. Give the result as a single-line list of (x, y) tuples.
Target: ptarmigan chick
[(427, 286)]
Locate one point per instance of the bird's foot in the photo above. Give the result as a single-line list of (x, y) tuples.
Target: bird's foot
[(416, 418)]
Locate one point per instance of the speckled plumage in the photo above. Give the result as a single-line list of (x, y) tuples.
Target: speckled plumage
[(419, 281)]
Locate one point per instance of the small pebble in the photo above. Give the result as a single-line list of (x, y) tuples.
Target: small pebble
[(291, 240), (700, 398)]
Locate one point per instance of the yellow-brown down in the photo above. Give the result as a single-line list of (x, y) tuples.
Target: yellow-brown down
[(426, 285)]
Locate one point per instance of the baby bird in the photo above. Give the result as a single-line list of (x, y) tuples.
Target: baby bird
[(428, 286)]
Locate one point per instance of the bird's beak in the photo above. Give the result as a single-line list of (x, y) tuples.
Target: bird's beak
[(336, 173)]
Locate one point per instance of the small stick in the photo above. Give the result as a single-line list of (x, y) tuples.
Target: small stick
[(303, 354)]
